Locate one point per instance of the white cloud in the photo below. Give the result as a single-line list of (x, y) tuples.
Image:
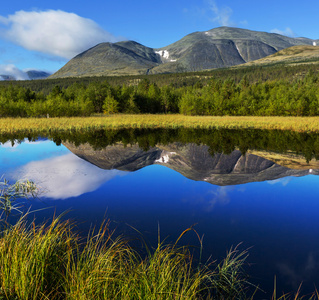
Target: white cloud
[(13, 71), (287, 32), (65, 176), (53, 32), (221, 15), (4, 20)]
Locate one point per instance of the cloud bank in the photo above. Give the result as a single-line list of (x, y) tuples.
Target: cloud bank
[(11, 70), (53, 32)]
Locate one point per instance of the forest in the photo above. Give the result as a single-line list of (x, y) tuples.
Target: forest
[(255, 91)]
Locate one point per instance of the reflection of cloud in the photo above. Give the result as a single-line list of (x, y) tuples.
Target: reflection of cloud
[(292, 276), (220, 196), (54, 32), (311, 263), (296, 275), (9, 144), (65, 176), (283, 181)]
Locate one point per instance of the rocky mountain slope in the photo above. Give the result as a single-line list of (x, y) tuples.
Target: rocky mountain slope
[(192, 161), (217, 48)]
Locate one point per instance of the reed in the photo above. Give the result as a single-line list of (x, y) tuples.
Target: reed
[(32, 259), (294, 296), (10, 193), (99, 268), (300, 124), (50, 262)]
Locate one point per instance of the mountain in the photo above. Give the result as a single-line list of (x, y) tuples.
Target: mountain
[(217, 48), (28, 75), (35, 74), (7, 77), (120, 58), (194, 162)]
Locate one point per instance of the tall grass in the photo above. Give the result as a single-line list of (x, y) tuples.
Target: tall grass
[(99, 268), (50, 262), (32, 260), (301, 124), (294, 296)]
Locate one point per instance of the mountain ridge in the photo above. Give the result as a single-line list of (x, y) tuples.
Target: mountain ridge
[(216, 48)]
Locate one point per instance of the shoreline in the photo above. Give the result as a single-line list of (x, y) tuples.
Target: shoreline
[(173, 121)]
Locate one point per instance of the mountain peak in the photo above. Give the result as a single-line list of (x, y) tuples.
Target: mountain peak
[(216, 48)]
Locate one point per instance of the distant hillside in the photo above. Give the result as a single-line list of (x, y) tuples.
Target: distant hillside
[(6, 77), (217, 48), (35, 74), (290, 56), (28, 75)]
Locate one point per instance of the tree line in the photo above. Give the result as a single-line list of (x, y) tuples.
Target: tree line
[(284, 97), (254, 74)]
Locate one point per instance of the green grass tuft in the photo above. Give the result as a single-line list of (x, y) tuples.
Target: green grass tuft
[(50, 262)]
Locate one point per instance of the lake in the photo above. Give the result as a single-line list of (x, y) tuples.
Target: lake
[(255, 188)]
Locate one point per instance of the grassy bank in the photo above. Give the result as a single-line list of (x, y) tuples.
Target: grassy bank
[(50, 262), (300, 124)]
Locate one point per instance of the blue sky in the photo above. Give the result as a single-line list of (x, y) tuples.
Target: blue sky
[(45, 35)]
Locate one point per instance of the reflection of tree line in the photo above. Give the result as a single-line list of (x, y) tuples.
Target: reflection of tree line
[(219, 141)]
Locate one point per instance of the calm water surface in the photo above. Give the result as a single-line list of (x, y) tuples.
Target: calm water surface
[(173, 186)]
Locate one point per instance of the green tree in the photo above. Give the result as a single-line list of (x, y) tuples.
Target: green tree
[(131, 106), (110, 105)]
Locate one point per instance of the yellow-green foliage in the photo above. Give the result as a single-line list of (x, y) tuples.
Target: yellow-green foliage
[(301, 124), (32, 260), (49, 262)]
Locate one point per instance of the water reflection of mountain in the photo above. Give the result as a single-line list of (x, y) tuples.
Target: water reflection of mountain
[(195, 162)]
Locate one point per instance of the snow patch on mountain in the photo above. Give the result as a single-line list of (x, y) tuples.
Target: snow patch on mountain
[(164, 54)]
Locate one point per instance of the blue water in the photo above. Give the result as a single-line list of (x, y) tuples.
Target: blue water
[(277, 220)]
